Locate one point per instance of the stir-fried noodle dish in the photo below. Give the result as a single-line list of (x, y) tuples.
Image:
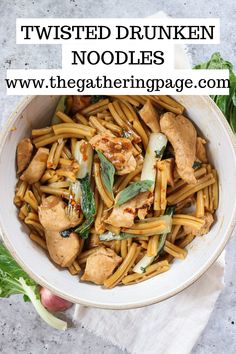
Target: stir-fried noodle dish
[(116, 187)]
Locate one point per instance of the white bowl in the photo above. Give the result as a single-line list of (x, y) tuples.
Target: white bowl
[(202, 252)]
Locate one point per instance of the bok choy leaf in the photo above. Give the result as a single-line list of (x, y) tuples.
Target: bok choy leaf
[(13, 280)]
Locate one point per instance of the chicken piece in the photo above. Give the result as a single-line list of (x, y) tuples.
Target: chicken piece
[(100, 265), (62, 250), (53, 214), (118, 151), (78, 103), (182, 136), (54, 218), (201, 150), (123, 216), (208, 218), (23, 154), (37, 166), (150, 116)]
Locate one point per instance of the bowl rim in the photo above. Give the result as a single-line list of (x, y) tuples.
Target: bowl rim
[(43, 282)]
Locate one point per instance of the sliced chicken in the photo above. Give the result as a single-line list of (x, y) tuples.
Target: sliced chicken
[(201, 150), (54, 218), (150, 116), (124, 215), (63, 250), (37, 166), (53, 214), (118, 151), (208, 218), (23, 154), (182, 136), (100, 265)]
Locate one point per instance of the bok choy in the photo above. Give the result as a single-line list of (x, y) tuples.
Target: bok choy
[(13, 280), (141, 266), (156, 147)]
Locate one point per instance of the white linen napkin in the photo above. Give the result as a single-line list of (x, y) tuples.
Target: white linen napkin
[(170, 327)]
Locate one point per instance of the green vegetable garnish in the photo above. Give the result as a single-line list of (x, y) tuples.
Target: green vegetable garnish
[(125, 134), (107, 172), (13, 280), (61, 106), (162, 240), (227, 104), (196, 165), (132, 190), (96, 98), (88, 207), (159, 153)]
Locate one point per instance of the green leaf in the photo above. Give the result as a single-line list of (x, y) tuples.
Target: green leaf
[(159, 153), (227, 104), (97, 98), (60, 107), (132, 190), (196, 165), (88, 207), (107, 172), (13, 280)]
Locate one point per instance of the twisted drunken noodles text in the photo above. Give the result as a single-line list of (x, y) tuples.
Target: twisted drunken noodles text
[(116, 187)]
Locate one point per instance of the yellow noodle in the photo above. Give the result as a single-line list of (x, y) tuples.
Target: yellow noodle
[(200, 204), (131, 99), (190, 189), (186, 241), (52, 139), (141, 132), (60, 184), (152, 246), (215, 190), (93, 107), (95, 122), (68, 174), (146, 232), (67, 152), (174, 232), (58, 152), (174, 250), (191, 221), (31, 200), (24, 211), (41, 131), (73, 128), (122, 270), (22, 190), (123, 249), (147, 224), (198, 173), (42, 138), (113, 127), (152, 269), (58, 192), (81, 118), (51, 156), (74, 268), (84, 255), (64, 117)]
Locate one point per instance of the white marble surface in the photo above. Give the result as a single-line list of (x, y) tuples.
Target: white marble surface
[(21, 331)]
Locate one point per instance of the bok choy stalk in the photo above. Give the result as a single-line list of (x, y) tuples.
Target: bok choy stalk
[(141, 266), (83, 154), (156, 147), (13, 280), (81, 192)]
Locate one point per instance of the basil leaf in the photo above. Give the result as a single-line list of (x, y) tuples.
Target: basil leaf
[(196, 165), (159, 153), (107, 172), (132, 190), (227, 104)]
